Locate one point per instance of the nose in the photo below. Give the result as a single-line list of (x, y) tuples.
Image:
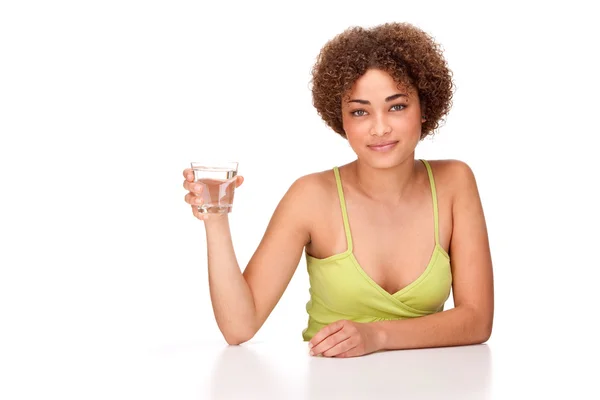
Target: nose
[(380, 126)]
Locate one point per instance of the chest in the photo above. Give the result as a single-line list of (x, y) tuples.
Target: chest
[(393, 245)]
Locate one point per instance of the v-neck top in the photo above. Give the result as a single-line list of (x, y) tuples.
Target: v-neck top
[(341, 289)]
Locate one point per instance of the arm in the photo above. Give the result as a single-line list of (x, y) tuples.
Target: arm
[(242, 302), (470, 321)]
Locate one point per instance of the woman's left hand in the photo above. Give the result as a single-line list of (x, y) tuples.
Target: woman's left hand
[(345, 339)]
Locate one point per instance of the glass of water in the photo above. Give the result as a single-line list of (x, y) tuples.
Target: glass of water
[(218, 179)]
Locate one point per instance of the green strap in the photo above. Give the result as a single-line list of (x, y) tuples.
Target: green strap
[(435, 204), (343, 206)]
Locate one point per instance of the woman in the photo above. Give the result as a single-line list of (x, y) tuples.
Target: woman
[(387, 236)]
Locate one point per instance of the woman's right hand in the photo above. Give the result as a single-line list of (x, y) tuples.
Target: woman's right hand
[(194, 195)]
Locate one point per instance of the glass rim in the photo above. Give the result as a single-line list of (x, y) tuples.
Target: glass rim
[(214, 164)]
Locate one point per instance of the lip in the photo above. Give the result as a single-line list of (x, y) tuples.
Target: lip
[(385, 146)]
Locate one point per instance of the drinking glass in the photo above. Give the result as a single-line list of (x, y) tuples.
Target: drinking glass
[(218, 179)]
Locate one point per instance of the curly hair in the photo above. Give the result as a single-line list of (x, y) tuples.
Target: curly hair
[(407, 53)]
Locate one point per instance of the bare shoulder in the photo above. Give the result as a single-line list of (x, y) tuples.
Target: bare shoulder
[(313, 187), (310, 196), (453, 176), (451, 169)]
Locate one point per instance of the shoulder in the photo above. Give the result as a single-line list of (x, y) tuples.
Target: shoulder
[(311, 192), (455, 177), (309, 198), (315, 185), (451, 169)]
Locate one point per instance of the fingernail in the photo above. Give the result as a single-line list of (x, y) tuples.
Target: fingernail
[(198, 188), (312, 353), (310, 345), (198, 201)]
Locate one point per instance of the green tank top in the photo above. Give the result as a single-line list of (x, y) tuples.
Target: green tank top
[(341, 289)]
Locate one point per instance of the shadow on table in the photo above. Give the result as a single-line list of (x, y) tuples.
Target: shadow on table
[(450, 373), (240, 373)]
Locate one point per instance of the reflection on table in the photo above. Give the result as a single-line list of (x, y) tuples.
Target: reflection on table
[(277, 371)]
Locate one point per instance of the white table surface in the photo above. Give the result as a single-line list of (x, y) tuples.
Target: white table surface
[(284, 370), (281, 372)]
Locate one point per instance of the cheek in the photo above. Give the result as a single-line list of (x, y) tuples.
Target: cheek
[(355, 139), (355, 134), (408, 125), (347, 123), (355, 126)]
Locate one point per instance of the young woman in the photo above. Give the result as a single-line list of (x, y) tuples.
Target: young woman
[(387, 236)]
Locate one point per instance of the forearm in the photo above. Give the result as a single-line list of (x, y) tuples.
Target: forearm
[(454, 327), (232, 301)]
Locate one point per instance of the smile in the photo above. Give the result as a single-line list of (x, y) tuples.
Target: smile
[(384, 146)]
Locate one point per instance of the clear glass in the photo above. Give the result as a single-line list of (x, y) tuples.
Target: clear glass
[(218, 179)]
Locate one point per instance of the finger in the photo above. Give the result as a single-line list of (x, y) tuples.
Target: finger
[(325, 332), (352, 352), (193, 187), (239, 181), (188, 174), (192, 199), (197, 213), (340, 348), (329, 343)]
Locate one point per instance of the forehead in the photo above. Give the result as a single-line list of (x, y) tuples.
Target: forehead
[(377, 83)]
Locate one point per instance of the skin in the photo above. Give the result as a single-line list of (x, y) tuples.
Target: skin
[(389, 190)]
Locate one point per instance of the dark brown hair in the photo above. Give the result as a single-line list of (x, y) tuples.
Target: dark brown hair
[(407, 53)]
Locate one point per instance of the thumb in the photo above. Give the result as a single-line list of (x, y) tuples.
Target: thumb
[(239, 181)]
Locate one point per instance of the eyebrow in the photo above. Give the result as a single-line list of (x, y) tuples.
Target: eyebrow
[(389, 98)]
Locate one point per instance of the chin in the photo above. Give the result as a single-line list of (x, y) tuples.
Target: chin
[(382, 162)]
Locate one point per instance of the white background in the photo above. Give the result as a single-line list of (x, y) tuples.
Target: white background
[(103, 104)]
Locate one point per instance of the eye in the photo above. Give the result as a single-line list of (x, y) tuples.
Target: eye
[(398, 107), (358, 113)]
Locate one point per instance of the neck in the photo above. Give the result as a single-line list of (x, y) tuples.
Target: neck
[(389, 185)]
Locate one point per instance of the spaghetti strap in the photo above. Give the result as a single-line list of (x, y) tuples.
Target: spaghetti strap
[(435, 203), (338, 182)]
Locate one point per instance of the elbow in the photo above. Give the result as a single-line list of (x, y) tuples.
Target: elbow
[(236, 331), (483, 331), (235, 338), (483, 336), (480, 324), (234, 341)]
